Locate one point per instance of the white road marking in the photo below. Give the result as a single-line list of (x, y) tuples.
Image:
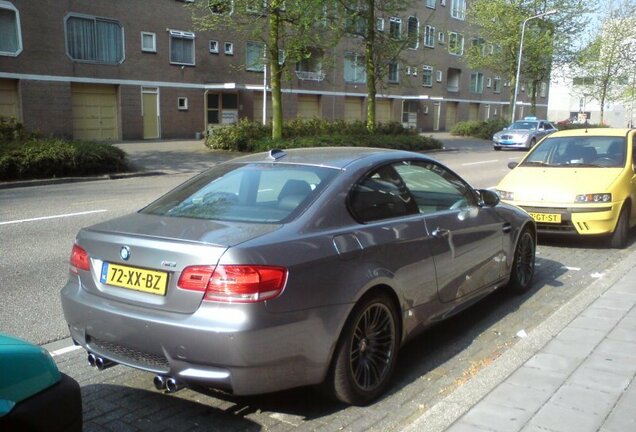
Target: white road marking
[(571, 268), (480, 162), (52, 217), (65, 350)]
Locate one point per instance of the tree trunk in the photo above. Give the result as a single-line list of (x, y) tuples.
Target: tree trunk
[(275, 75), (370, 65)]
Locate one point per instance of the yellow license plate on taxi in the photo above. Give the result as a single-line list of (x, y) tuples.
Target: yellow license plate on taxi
[(546, 217), (149, 281)]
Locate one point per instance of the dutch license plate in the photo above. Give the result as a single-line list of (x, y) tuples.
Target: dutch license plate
[(149, 281), (546, 217)]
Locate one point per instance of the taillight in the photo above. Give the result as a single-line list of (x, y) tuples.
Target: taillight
[(235, 283), (79, 260)]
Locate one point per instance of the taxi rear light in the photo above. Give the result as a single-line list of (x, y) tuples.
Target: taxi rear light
[(235, 283), (79, 260)]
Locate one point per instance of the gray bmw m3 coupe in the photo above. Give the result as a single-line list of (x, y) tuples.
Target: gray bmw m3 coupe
[(292, 268)]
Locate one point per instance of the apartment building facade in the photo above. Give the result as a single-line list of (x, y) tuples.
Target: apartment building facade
[(130, 70)]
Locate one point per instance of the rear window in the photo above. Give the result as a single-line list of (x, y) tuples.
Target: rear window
[(259, 193), (581, 151)]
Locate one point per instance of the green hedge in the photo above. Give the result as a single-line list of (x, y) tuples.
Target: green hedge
[(570, 126), (479, 129), (252, 136), (52, 158)]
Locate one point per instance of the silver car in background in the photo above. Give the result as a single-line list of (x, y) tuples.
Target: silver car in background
[(522, 134), (284, 269)]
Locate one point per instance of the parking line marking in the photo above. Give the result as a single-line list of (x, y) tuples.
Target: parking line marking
[(65, 350), (480, 162), (52, 217)]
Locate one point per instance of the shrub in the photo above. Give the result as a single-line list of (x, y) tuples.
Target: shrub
[(479, 129), (250, 136), (50, 158), (12, 130), (569, 126)]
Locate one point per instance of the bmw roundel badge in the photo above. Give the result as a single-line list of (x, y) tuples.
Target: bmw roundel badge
[(124, 253)]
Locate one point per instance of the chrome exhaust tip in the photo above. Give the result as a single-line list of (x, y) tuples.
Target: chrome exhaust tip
[(92, 359), (159, 381), (102, 363), (172, 385)]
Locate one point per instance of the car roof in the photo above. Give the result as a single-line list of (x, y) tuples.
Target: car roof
[(335, 157), (592, 132)]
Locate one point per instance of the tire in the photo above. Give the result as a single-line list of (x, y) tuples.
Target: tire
[(523, 264), (618, 239), (497, 148), (366, 353), (533, 141)]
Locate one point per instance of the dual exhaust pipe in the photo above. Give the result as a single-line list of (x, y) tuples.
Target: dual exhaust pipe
[(161, 382)]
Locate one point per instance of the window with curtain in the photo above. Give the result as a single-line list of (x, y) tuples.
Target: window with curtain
[(354, 70), (10, 37), (182, 48), (254, 56), (94, 39)]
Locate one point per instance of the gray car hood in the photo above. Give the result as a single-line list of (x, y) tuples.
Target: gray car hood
[(217, 233)]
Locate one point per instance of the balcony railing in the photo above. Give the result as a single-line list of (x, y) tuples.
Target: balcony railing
[(310, 76)]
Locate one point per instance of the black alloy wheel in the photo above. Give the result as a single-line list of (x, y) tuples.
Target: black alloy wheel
[(523, 265), (618, 239), (366, 354)]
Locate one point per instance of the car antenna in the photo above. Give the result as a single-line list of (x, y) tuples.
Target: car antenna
[(276, 154)]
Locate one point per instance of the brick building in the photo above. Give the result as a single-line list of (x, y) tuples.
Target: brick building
[(127, 70)]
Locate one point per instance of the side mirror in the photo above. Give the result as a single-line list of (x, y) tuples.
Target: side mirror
[(513, 164), (488, 197)]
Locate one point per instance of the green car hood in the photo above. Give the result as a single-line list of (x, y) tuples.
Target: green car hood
[(25, 370)]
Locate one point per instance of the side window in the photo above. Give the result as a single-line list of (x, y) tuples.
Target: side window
[(381, 195), (434, 187)]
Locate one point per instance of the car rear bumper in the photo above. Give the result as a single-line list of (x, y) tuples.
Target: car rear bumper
[(592, 221), (243, 349), (57, 408)]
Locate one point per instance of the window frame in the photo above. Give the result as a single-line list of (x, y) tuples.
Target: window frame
[(18, 29), (476, 82), (429, 36), (95, 19), (182, 103), (410, 39), (229, 12), (228, 48), (257, 66), (396, 72), (152, 49), (457, 36), (427, 74), (184, 36), (458, 9), (357, 67), (215, 49), (398, 22)]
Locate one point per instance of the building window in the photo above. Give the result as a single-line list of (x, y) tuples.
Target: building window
[(430, 4), (181, 48), (455, 43), (228, 48), (222, 108), (429, 36), (395, 27), (148, 42), (221, 7), (489, 83), (255, 6), (413, 31), (213, 46), (96, 40), (477, 82), (182, 103), (439, 76), (354, 68), (441, 37), (254, 56), (379, 24), (10, 33), (458, 9), (394, 72), (543, 89), (310, 68), (453, 78), (496, 84), (427, 76)]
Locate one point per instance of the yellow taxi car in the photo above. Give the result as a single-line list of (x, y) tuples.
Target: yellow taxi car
[(580, 182)]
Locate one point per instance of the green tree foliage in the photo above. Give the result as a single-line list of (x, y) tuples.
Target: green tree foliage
[(606, 65), (289, 31), (548, 41)]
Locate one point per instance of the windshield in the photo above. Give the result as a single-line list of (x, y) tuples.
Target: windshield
[(260, 193), (528, 125), (586, 151)]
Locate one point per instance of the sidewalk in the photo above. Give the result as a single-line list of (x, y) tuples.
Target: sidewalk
[(575, 372)]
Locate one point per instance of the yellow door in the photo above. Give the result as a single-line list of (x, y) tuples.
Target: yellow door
[(9, 99), (353, 109), (451, 115), (150, 112), (308, 106), (94, 112), (382, 111), (473, 111)]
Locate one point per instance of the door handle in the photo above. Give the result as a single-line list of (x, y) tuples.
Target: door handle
[(440, 232)]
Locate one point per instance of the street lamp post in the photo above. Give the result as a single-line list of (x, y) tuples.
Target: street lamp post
[(264, 90), (523, 30)]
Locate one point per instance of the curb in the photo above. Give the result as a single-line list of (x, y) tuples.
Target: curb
[(450, 409), (61, 180)]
